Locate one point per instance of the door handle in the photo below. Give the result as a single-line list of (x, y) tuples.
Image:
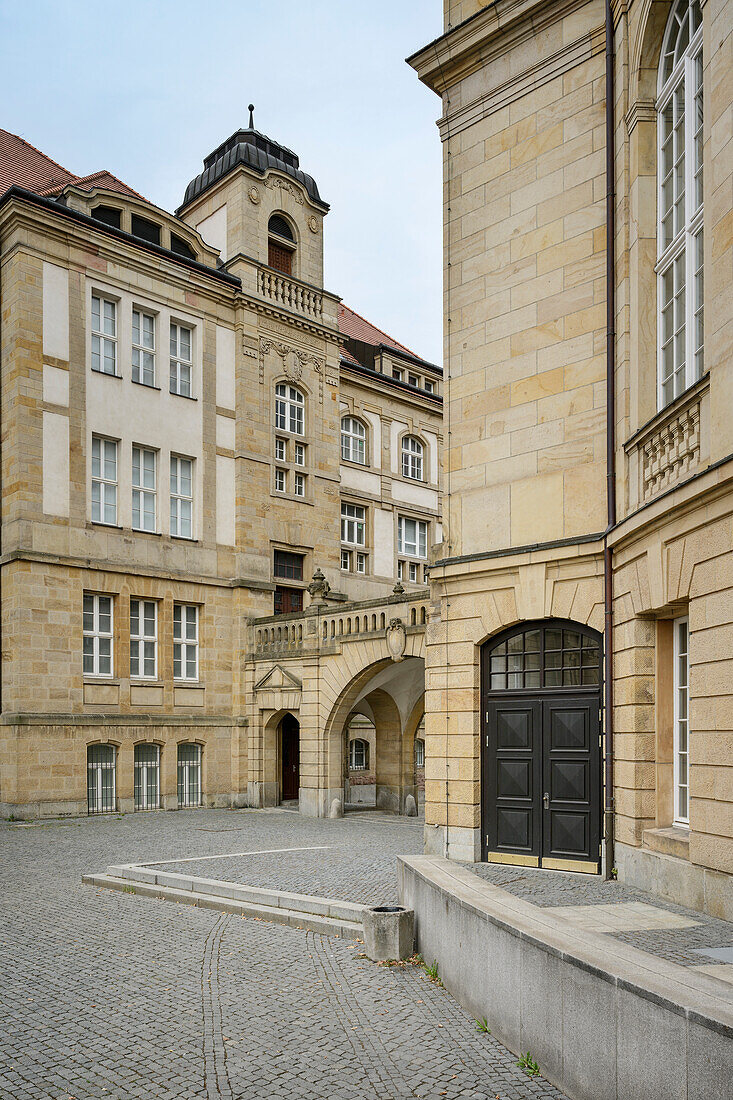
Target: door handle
[(546, 800)]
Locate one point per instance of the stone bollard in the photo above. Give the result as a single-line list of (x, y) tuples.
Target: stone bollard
[(389, 932), (410, 806), (337, 808)]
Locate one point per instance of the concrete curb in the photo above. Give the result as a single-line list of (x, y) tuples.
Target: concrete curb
[(239, 900), (604, 1020)]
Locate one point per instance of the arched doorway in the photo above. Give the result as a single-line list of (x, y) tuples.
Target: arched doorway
[(540, 746), (289, 758)]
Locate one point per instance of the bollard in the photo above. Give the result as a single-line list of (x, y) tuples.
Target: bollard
[(410, 806), (337, 808), (389, 932)]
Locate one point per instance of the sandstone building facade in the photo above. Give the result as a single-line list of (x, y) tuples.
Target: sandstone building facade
[(580, 673), (220, 487)]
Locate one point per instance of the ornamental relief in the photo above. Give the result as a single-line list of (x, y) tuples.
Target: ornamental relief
[(294, 361), (274, 182)]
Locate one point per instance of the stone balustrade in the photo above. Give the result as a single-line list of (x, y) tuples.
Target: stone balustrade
[(284, 291), (284, 634)]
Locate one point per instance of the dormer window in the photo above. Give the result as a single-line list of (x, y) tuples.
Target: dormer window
[(280, 244), (110, 215), (181, 247), (144, 229)]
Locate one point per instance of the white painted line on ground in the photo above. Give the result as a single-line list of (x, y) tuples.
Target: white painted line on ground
[(231, 855)]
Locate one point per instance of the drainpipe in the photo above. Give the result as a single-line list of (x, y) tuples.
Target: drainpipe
[(610, 436)]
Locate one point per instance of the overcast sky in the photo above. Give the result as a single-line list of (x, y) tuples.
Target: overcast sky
[(147, 88)]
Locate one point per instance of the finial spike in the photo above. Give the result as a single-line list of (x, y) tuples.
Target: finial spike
[(251, 116)]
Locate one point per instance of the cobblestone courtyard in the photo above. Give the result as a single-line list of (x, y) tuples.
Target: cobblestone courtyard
[(115, 996)]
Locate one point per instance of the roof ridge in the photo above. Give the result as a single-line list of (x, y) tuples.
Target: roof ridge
[(371, 324), (40, 153)]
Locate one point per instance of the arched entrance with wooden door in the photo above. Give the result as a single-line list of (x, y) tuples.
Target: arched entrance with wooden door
[(540, 746), (289, 758)]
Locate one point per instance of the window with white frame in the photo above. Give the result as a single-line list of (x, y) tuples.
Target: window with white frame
[(299, 483), (419, 752), (104, 335), (353, 440), (346, 559), (281, 446), (429, 386), (104, 480), (181, 362), (143, 639), (280, 480), (680, 203), (147, 777), (299, 454), (101, 795), (181, 487), (353, 524), (412, 568), (361, 563), (681, 733), (189, 775), (412, 458), (97, 615), (289, 409), (358, 755), (412, 537), (143, 347), (185, 642), (143, 489)]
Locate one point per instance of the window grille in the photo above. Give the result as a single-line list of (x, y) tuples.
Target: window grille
[(358, 755), (147, 777), (101, 796), (189, 775), (550, 656)]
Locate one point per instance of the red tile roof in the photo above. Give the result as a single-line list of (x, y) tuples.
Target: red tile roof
[(357, 327), (348, 357), (22, 165)]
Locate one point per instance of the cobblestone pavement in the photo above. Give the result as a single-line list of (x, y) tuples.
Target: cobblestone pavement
[(550, 889), (113, 996)]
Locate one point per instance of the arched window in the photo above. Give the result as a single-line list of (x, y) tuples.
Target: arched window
[(412, 458), (280, 244), (189, 775), (353, 440), (289, 409), (358, 755), (419, 753), (101, 795), (680, 203)]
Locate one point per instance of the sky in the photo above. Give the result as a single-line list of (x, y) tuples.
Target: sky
[(148, 89)]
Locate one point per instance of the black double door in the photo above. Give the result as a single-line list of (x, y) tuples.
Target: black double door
[(541, 779)]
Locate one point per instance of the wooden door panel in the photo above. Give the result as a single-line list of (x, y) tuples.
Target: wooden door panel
[(511, 777), (571, 778)]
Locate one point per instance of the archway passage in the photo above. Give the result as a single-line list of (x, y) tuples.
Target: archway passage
[(541, 757), (290, 758)]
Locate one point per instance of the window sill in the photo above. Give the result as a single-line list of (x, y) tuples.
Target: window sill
[(140, 531), (101, 523), (105, 374), (145, 681), (110, 680), (184, 538), (147, 385), (290, 496), (356, 465), (671, 841), (189, 684), (185, 396)]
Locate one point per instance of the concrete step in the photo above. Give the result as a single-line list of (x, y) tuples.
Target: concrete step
[(277, 913)]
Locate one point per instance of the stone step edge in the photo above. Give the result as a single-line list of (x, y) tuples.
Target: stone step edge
[(312, 922), (234, 891)]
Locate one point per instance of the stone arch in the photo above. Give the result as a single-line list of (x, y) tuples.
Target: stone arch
[(646, 49)]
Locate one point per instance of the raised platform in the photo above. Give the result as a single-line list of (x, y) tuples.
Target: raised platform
[(603, 1019)]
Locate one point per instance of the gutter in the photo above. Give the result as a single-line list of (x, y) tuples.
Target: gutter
[(609, 831), (119, 234)]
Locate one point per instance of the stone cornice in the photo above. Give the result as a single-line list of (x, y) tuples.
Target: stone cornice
[(484, 37), (642, 110)]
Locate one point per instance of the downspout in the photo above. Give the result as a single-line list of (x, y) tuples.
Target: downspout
[(610, 439)]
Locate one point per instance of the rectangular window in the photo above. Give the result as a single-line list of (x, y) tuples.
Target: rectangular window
[(353, 524), (346, 559), (300, 454), (143, 639), (145, 229), (396, 373), (181, 497), (104, 480), (147, 777), (361, 563), (189, 775), (143, 489), (681, 681), (97, 635), (400, 570), (287, 600), (181, 344), (413, 380), (104, 335), (413, 572), (429, 386), (412, 537), (185, 642), (280, 476), (101, 779), (143, 347), (280, 449), (288, 565), (300, 485)]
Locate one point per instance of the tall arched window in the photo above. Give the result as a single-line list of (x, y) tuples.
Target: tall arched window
[(289, 409), (680, 203), (353, 440), (280, 244), (412, 458)]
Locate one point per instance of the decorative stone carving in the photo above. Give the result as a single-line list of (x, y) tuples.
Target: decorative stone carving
[(284, 185), (399, 589), (671, 451), (293, 359), (319, 587), (313, 223), (254, 195), (396, 635)]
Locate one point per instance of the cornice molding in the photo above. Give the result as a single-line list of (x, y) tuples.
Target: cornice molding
[(642, 110)]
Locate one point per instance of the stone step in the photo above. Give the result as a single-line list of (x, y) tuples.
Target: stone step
[(322, 915)]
